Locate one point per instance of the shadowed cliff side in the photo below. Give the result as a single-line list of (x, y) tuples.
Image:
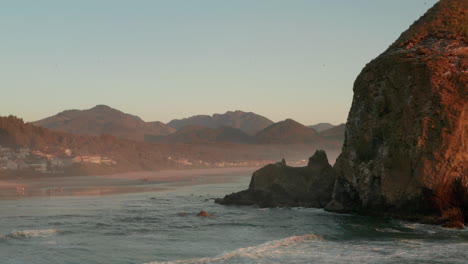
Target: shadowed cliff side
[(405, 153), (278, 185)]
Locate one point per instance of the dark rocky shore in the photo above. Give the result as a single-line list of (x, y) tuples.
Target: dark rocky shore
[(405, 151)]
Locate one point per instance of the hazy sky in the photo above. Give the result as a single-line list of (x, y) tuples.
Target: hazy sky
[(170, 59)]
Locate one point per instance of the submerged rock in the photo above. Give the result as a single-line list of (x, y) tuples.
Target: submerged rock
[(278, 185), (405, 153)]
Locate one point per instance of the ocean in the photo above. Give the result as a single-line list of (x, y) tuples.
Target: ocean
[(162, 227)]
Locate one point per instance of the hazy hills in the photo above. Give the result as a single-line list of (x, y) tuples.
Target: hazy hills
[(334, 133), (189, 147), (287, 132), (103, 119), (321, 126), (201, 134), (230, 127), (248, 122), (130, 155)]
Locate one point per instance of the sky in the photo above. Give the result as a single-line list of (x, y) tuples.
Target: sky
[(170, 59)]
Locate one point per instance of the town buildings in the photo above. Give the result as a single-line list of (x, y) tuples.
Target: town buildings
[(25, 159)]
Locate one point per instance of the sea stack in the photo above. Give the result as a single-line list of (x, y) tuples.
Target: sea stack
[(406, 144), (279, 185)]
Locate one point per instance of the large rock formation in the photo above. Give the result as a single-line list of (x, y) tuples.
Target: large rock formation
[(406, 145), (278, 185)]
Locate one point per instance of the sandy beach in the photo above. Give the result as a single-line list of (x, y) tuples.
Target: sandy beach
[(122, 183)]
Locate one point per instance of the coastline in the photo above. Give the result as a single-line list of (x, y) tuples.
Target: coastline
[(120, 183)]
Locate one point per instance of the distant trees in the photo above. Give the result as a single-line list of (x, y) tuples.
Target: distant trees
[(137, 155)]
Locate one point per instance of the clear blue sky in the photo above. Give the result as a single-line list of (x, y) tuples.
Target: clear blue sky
[(171, 59)]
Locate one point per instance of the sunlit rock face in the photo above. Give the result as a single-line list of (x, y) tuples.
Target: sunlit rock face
[(406, 145)]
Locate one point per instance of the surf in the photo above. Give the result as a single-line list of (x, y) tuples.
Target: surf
[(255, 252), (31, 233)]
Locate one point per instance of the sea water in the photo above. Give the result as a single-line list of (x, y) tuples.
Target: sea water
[(162, 227)]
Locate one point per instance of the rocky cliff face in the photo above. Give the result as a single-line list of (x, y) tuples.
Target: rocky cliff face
[(278, 185), (406, 144)]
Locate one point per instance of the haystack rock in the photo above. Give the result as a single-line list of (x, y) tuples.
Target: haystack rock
[(406, 144), (278, 185)]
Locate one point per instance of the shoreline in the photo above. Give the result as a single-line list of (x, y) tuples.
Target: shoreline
[(120, 183)]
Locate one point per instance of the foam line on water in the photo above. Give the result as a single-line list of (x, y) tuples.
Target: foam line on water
[(30, 233), (254, 252)]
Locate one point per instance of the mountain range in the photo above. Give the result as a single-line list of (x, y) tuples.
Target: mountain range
[(283, 132), (189, 147), (232, 126)]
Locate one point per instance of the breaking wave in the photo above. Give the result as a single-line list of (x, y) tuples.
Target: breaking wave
[(254, 252), (31, 233)]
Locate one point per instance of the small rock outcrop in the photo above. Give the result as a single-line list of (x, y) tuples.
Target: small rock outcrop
[(406, 142), (278, 185), (203, 214)]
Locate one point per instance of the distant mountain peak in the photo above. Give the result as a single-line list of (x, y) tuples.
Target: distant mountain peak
[(290, 120), (104, 119), (286, 132), (105, 109), (321, 127), (236, 111), (248, 122), (102, 106)]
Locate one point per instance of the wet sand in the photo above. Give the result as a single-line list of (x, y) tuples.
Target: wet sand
[(122, 183)]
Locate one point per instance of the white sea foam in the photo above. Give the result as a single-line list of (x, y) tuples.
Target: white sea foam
[(255, 252), (31, 233)]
